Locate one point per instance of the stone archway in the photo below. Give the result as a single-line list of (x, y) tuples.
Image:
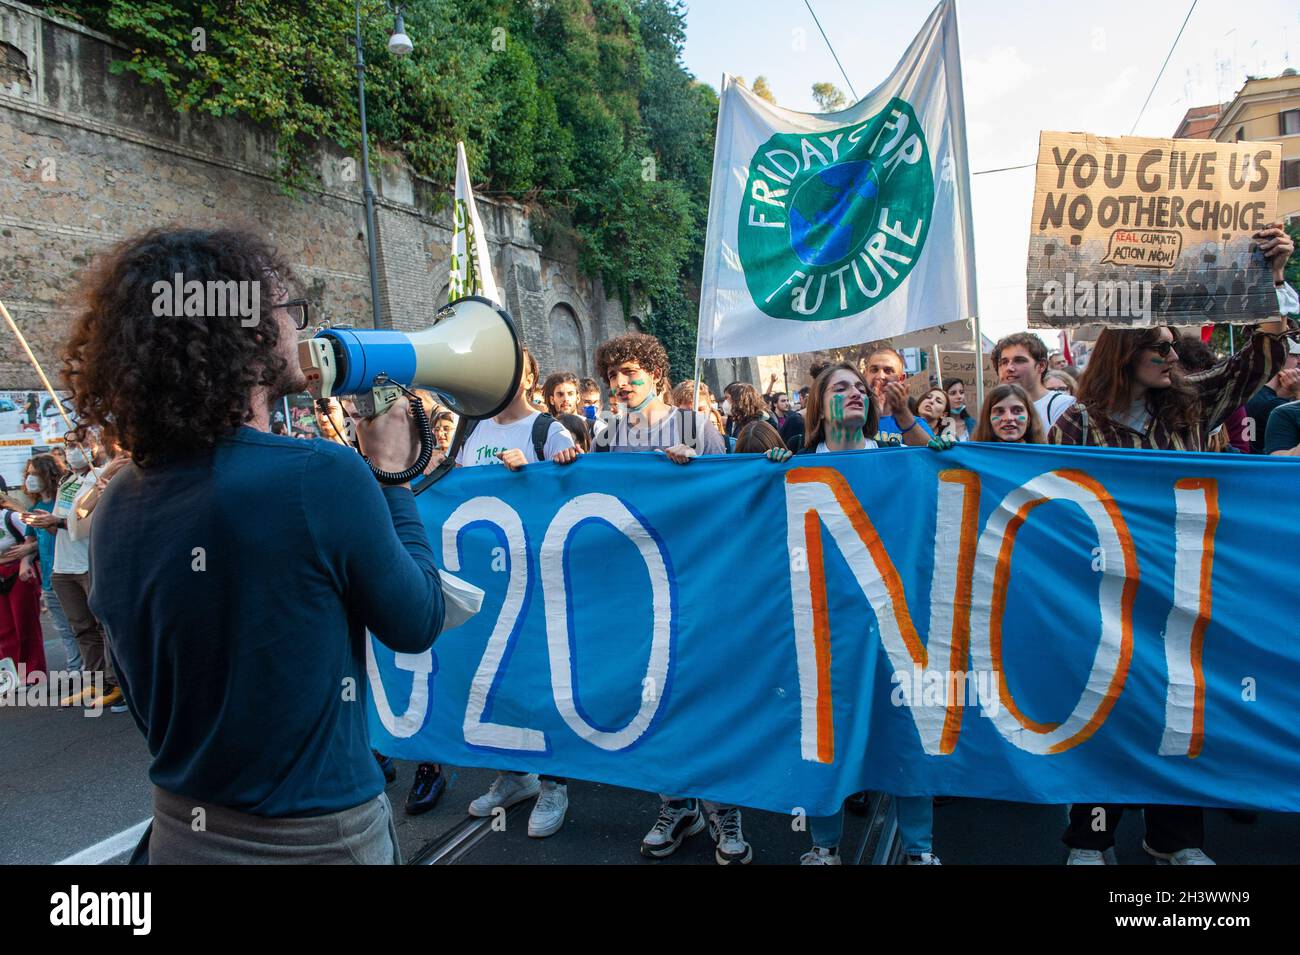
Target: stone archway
[(567, 346)]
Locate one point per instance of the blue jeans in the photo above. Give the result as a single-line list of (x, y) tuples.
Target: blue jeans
[(64, 630), (915, 825)]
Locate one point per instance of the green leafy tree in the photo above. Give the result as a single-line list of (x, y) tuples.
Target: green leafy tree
[(828, 97), (762, 90), (580, 108)]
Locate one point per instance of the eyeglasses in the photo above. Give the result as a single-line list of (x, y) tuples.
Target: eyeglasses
[(1162, 348), (298, 312)]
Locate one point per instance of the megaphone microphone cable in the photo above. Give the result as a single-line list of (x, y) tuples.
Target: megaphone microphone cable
[(426, 439)]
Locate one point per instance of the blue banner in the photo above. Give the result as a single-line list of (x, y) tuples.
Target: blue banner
[(1013, 622)]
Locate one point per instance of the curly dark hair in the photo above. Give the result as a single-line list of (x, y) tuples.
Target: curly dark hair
[(50, 470), (166, 387), (643, 349)]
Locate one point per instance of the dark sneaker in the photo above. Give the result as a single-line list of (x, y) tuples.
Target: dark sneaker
[(676, 821), (427, 789), (387, 766)]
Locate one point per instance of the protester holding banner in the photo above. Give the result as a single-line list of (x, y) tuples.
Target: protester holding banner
[(840, 415), (1133, 395), (1008, 415), (518, 436), (1021, 359), (636, 367)]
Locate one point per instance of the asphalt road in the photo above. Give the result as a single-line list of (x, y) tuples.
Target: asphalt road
[(69, 784)]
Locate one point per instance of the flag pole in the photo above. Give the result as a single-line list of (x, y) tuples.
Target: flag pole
[(710, 225), (957, 110), (37, 365)]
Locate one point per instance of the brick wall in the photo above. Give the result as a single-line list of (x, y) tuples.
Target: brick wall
[(88, 158)]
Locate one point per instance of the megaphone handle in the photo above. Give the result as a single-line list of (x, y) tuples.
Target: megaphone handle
[(426, 450)]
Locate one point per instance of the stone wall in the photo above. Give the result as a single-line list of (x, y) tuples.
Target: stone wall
[(89, 158)]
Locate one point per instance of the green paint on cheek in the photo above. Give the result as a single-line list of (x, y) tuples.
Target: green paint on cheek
[(638, 382)]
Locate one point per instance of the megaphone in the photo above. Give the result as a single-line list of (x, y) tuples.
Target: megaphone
[(470, 357)]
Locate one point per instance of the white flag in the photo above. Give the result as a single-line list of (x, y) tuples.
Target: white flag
[(830, 229), (471, 265)]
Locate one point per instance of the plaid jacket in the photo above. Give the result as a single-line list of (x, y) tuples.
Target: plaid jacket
[(1222, 390)]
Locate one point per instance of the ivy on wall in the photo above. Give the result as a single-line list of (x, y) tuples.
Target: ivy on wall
[(581, 109)]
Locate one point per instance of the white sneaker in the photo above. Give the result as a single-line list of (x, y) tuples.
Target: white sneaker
[(724, 827), (922, 858), (819, 855), (1086, 857), (506, 790), (676, 821), (1181, 857), (548, 813)]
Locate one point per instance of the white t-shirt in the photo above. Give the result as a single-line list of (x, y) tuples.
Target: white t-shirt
[(822, 449), (1058, 400), (72, 556), (490, 438), (1137, 417)]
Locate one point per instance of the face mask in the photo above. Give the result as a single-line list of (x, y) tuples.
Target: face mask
[(34, 484), (76, 458), (726, 406)]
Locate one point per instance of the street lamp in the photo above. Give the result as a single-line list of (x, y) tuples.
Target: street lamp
[(399, 44)]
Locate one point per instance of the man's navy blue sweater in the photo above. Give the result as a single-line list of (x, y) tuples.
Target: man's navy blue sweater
[(236, 589)]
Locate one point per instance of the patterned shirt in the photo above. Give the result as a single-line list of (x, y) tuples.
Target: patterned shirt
[(1221, 390)]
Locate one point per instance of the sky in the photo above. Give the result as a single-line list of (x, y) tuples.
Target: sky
[(1027, 67)]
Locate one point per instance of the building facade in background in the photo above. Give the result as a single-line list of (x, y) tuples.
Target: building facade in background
[(1267, 109)]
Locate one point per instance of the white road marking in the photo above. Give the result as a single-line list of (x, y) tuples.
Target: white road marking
[(109, 849)]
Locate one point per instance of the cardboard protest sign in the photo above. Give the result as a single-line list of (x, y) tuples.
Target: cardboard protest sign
[(954, 365), (1129, 231), (961, 366)]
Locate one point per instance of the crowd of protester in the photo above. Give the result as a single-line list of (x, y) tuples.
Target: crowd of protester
[(1142, 388)]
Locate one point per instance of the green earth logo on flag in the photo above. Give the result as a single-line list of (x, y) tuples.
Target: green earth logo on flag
[(832, 222)]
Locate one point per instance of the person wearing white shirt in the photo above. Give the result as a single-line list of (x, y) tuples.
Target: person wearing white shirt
[(510, 439), (1021, 359), (70, 579)]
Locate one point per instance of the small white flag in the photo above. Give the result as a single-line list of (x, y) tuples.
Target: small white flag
[(471, 265)]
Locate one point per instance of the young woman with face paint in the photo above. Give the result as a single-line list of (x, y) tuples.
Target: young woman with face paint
[(1008, 415), (839, 417), (1134, 395)]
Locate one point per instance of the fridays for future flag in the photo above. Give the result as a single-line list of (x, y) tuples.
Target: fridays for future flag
[(830, 229), (471, 265)]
